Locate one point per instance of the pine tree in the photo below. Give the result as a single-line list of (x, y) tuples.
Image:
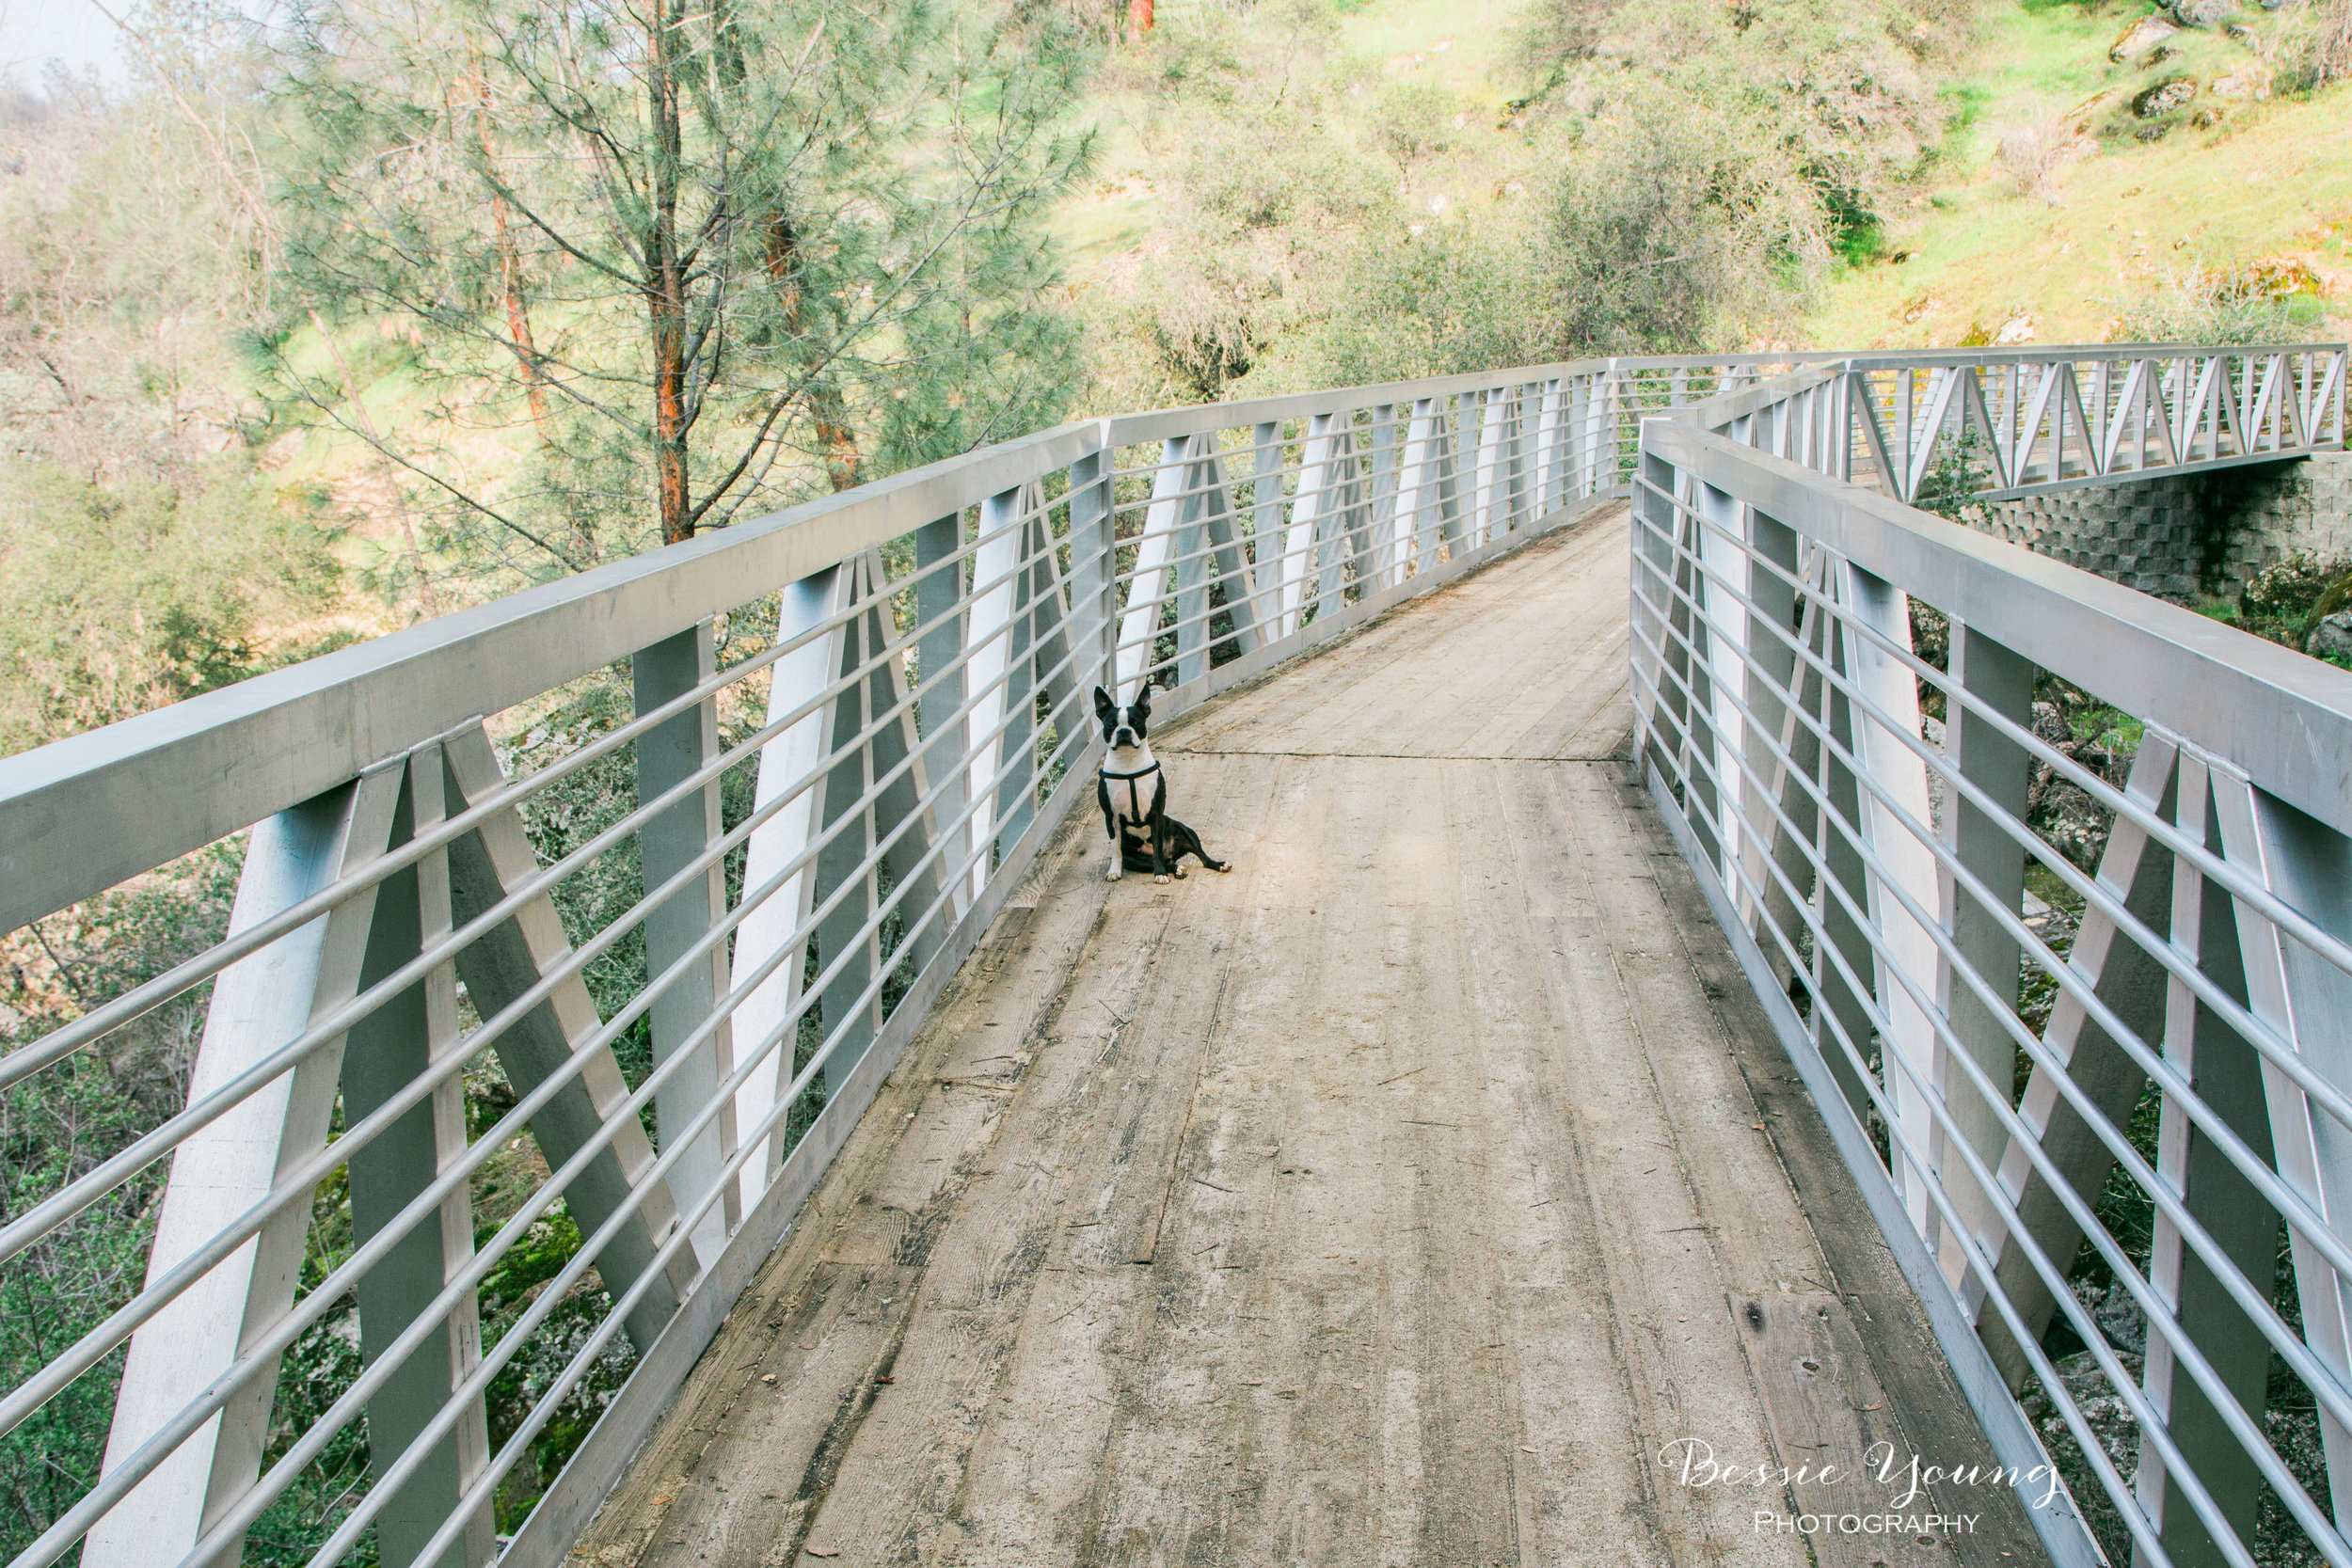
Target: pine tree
[(710, 257)]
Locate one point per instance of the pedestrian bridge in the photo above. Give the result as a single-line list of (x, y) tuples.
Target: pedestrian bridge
[(1658, 1070)]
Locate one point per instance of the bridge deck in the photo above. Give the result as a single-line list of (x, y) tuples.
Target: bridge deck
[(1393, 1200)]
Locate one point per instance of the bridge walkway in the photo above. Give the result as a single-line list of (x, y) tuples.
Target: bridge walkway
[(1396, 1198)]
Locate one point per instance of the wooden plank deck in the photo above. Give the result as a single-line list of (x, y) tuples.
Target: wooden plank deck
[(1394, 1199)]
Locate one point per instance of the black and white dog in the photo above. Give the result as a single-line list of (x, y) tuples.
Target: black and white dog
[(1132, 793)]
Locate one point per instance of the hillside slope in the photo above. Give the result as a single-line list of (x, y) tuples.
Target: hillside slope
[(2100, 172), (2237, 187)]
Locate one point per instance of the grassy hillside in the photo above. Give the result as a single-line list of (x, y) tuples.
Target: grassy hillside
[(2050, 209), (2236, 183)]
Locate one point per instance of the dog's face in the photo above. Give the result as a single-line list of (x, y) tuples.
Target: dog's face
[(1123, 727)]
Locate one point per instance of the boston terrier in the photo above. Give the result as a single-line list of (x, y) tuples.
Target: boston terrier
[(1132, 793)]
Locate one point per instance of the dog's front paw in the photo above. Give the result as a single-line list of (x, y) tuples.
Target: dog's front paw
[(1161, 878), (1116, 871)]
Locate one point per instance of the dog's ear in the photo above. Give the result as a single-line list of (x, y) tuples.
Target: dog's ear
[(1142, 704), (1103, 703)]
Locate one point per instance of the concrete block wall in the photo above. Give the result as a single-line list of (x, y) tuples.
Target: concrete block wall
[(2143, 535), (2154, 534), (2302, 506)]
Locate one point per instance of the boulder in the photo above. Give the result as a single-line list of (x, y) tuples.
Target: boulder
[(2171, 93), (2140, 38), (2202, 13), (2333, 638)]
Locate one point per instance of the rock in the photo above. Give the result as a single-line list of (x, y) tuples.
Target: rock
[(2017, 329), (2140, 38), (2202, 13), (2171, 93), (2204, 119), (2153, 133), (2333, 638), (2243, 36)]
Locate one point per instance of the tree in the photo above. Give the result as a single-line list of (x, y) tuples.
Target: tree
[(724, 254)]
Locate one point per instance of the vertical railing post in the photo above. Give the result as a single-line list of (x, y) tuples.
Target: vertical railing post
[(384, 1053), (1449, 530), (1307, 509), (791, 768), (940, 600), (1016, 785), (1981, 753), (1192, 563), (1521, 460), (1416, 488), (1147, 585), (1547, 450), (1882, 748), (1093, 557), (1235, 579), (1657, 732), (2226, 1073), (1386, 569), (1265, 527), (669, 753), (1493, 407), (2307, 1001), (997, 566), (845, 874), (1720, 544), (258, 1004)]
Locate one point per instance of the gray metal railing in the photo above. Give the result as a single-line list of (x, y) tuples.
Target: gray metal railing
[(2092, 1065), (574, 932)]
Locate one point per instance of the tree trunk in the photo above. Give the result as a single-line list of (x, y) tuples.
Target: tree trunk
[(1139, 20), (510, 269), (827, 410), (665, 287)]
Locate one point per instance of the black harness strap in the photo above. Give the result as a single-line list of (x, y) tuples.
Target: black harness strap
[(1134, 802)]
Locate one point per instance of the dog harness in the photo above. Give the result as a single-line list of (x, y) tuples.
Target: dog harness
[(1134, 802)]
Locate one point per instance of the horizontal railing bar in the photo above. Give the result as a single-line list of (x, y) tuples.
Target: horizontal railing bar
[(126, 1162), (172, 781), (2149, 1059), (2232, 878), (2200, 1371), (2297, 1209), (2270, 710), (1956, 1050)]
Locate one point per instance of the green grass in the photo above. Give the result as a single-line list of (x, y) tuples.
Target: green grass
[(2117, 224)]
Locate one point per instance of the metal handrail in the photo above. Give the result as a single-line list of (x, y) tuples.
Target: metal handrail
[(1778, 720)]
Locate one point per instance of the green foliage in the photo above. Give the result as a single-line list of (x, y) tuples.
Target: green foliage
[(59, 1124), (115, 600), (2283, 600), (722, 261), (2263, 303), (1413, 119), (1675, 227)]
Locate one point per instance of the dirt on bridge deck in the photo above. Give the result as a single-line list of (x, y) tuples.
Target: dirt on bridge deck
[(1398, 1198)]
